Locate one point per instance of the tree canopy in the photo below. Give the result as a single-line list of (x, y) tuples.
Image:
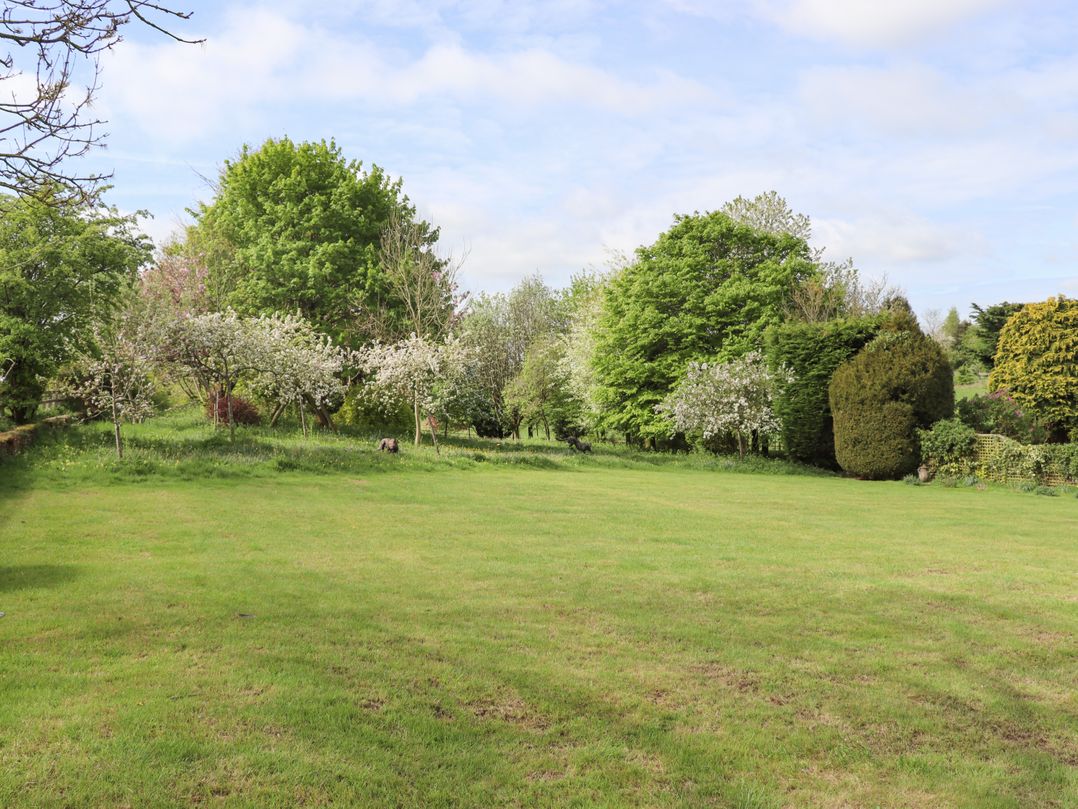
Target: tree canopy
[(1037, 361), (297, 227), (708, 288), (62, 271)]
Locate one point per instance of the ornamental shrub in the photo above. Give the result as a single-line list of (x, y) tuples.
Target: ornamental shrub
[(812, 352), (897, 383), (998, 413), (1037, 362), (948, 447), (243, 412)]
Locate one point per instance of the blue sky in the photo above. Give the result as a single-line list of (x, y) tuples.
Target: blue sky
[(934, 141)]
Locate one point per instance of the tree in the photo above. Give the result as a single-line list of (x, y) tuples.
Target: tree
[(899, 382), (42, 128), (299, 367), (421, 292), (297, 228), (769, 213), (499, 329), (708, 288), (585, 304), (540, 392), (279, 356), (1037, 362), (414, 370), (988, 323), (115, 377), (734, 397), (63, 270), (812, 352)]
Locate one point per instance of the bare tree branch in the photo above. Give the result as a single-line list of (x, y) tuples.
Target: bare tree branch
[(52, 43)]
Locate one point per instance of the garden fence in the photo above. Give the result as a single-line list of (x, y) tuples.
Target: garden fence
[(1004, 460)]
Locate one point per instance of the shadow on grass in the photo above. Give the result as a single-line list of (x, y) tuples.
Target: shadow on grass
[(24, 577)]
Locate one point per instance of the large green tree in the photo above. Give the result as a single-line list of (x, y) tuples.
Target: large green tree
[(62, 271), (1037, 362), (297, 227), (709, 287)]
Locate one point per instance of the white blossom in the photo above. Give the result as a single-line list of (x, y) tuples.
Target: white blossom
[(733, 398)]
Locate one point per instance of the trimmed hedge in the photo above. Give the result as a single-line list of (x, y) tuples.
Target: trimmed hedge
[(899, 382), (813, 351)]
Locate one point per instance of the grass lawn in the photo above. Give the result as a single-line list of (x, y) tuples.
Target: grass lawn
[(325, 626)]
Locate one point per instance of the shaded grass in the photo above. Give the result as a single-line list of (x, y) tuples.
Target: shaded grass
[(610, 631)]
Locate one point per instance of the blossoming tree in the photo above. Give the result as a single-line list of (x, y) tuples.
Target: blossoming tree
[(416, 370), (735, 398)]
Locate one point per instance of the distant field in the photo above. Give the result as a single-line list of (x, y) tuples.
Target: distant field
[(283, 623), (978, 388)]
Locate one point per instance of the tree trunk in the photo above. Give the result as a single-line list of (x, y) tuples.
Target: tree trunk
[(277, 413), (415, 412), (546, 428), (741, 445), (433, 436), (116, 420), (302, 418)]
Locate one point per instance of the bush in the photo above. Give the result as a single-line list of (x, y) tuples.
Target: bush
[(1014, 460), (899, 382), (998, 413), (243, 412), (948, 446), (369, 416), (1037, 362), (812, 351)]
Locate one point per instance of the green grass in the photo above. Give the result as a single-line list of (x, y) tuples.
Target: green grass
[(197, 626)]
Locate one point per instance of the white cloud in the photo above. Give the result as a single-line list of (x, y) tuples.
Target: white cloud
[(903, 100), (262, 58), (872, 22)]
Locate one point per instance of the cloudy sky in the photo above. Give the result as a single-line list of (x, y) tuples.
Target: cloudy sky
[(935, 141)]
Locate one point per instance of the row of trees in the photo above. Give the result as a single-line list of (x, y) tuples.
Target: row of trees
[(308, 280)]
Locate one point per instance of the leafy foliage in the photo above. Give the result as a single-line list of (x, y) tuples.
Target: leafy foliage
[(541, 392), (297, 228), (62, 272), (948, 446), (812, 351), (988, 322), (241, 411), (417, 371), (1037, 362), (897, 383), (709, 287), (998, 413), (1016, 460)]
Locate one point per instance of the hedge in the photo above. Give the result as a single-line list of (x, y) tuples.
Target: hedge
[(813, 351), (899, 382)]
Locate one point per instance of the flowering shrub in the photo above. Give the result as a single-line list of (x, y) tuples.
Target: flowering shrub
[(734, 398), (998, 413)]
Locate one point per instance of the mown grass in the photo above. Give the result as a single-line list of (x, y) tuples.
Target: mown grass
[(530, 629)]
